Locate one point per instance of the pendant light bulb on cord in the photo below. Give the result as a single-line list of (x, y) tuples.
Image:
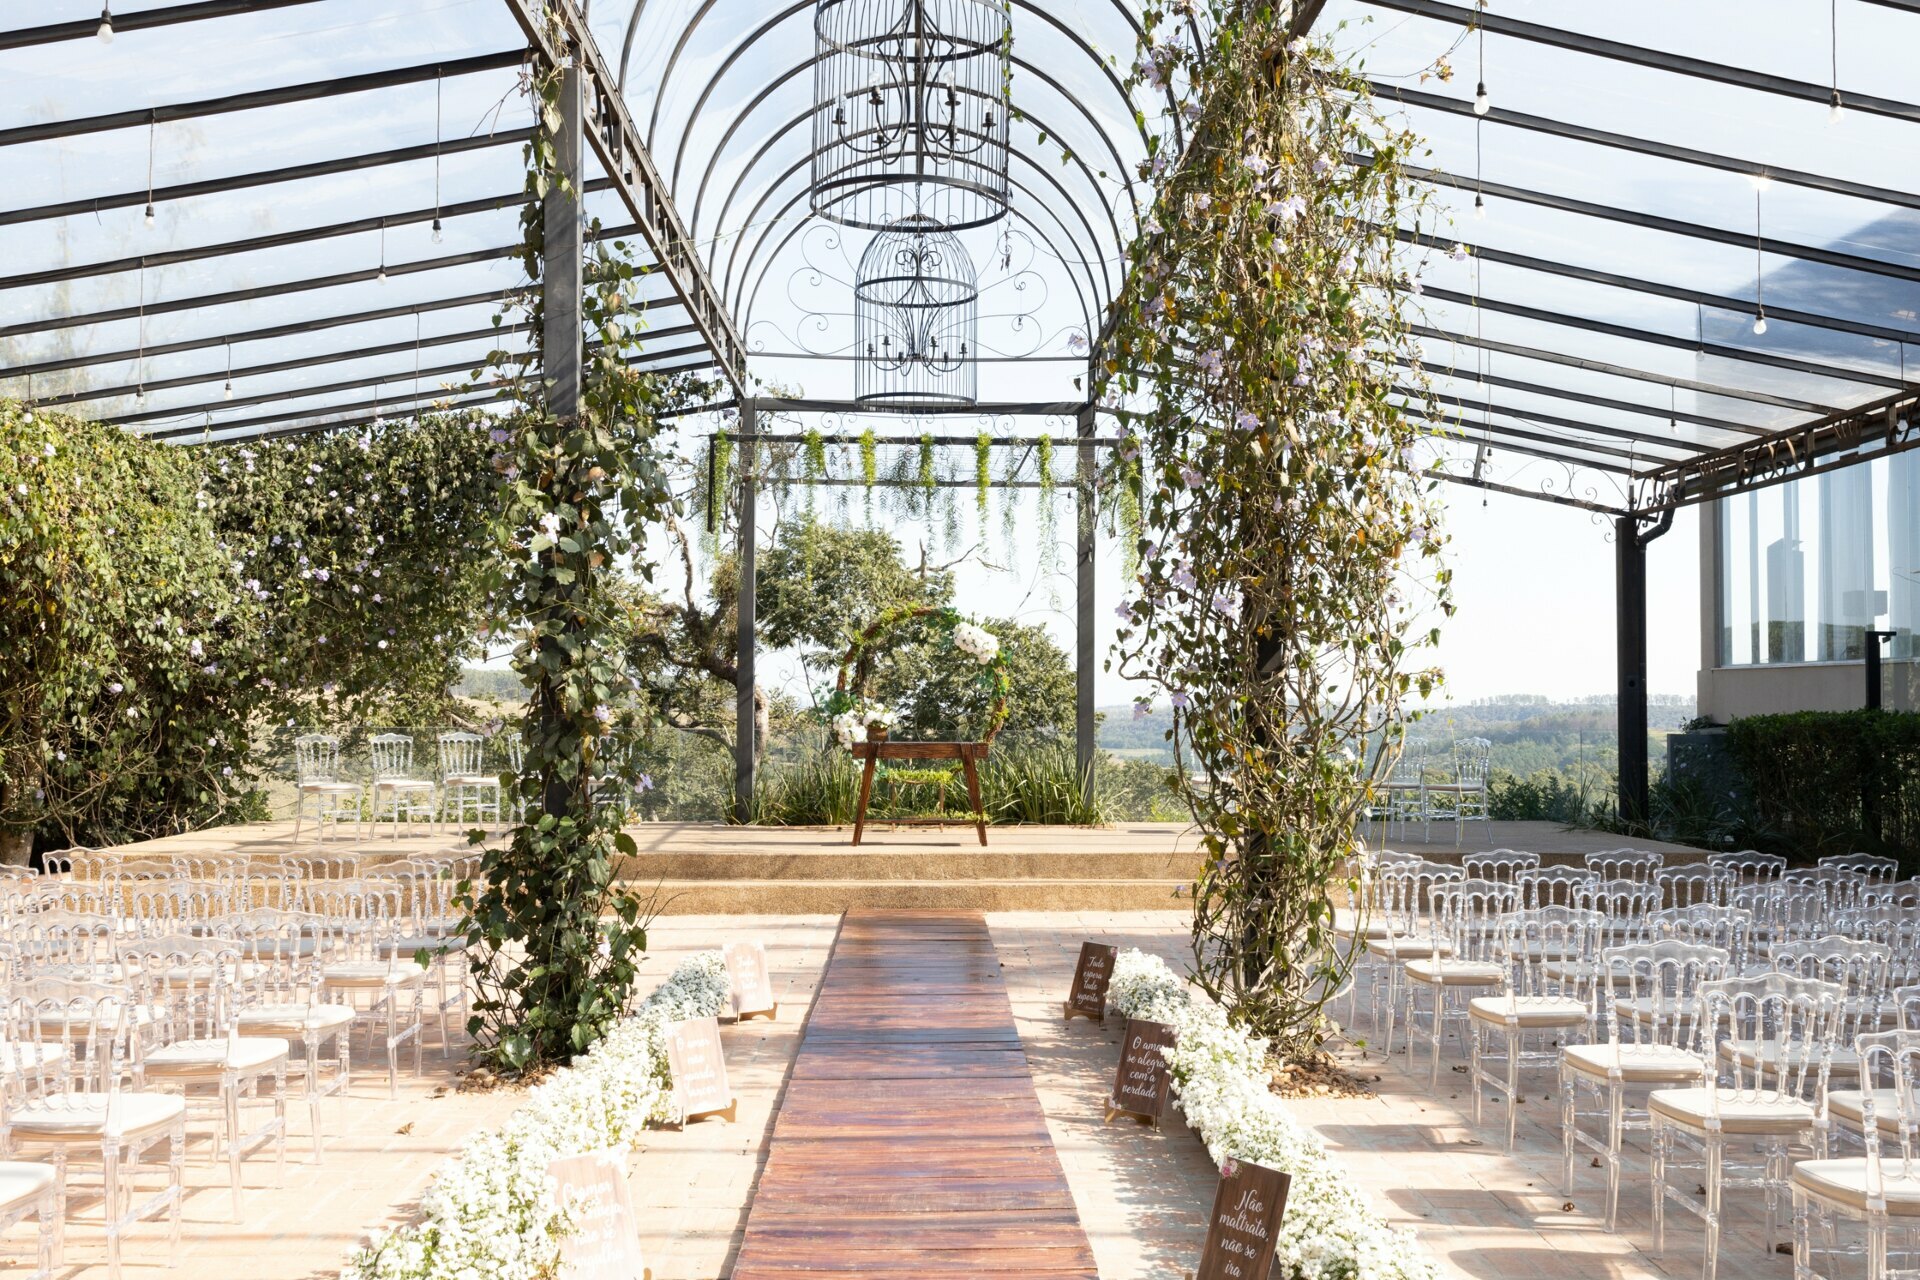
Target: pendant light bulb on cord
[(105, 31), (1481, 102)]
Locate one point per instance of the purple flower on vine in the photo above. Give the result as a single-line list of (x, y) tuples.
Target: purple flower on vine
[(1142, 708), (1183, 577), (644, 783), (1190, 477), (1211, 361), (1179, 699), (1247, 421), (1123, 611), (1258, 165)]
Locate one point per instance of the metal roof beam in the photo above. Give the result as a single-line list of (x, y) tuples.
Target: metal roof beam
[(138, 20), (1619, 370), (1794, 363), (1648, 147), (1598, 402), (279, 95), (1650, 58), (625, 159), (263, 177), (1678, 293), (1743, 240)]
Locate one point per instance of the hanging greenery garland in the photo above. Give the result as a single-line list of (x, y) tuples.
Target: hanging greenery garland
[(849, 713)]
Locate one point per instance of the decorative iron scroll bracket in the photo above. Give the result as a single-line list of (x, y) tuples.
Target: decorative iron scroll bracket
[(616, 140)]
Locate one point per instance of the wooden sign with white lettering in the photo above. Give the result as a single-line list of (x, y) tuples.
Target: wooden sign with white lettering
[(604, 1243), (1141, 1083), (1243, 1232), (747, 976), (1088, 998), (699, 1069)]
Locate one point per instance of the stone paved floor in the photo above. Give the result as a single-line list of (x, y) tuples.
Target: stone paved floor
[(1489, 1215), (1141, 1193)]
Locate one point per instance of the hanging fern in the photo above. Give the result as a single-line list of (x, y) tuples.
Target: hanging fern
[(1049, 518), (982, 477), (869, 470), (813, 462)]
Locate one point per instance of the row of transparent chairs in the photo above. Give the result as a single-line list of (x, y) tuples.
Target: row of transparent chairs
[(1736, 1011), (462, 787), (1432, 782)]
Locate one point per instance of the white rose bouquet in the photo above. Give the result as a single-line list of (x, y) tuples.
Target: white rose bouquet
[(976, 642)]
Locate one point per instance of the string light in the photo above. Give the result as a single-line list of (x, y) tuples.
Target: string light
[(105, 31), (1481, 102), (227, 393), (1479, 197), (153, 123), (1759, 261), (28, 415), (382, 277), (1836, 110), (437, 236)]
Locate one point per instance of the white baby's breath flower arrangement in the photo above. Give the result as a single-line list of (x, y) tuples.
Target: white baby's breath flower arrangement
[(489, 1213), (1220, 1075)]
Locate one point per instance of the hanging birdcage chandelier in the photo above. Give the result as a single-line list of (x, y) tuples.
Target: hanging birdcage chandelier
[(915, 312), (910, 111)]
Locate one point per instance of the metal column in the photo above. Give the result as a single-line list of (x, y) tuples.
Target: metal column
[(1083, 620), (561, 283), (1630, 653), (745, 620)]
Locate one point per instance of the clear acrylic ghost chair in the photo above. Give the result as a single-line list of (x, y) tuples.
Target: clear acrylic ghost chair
[(291, 949), (74, 1105), (1534, 1004), (1552, 886), (1354, 924), (1749, 866), (1407, 904), (391, 755), (1401, 795), (1623, 907), (1880, 1190), (1503, 865), (1697, 885), (516, 765), (194, 980), (1761, 1100), (422, 893), (1466, 959), (464, 783), (1625, 864), (1648, 1000), (1465, 793), (365, 969), (321, 784), (1729, 928)]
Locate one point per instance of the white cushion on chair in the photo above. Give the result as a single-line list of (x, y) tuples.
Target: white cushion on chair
[(1638, 1063), (372, 973), (402, 784), (1845, 1182), (1849, 1105), (294, 1020), (1745, 1115), (1401, 948), (21, 1181), (1766, 1055), (83, 1117), (1456, 973), (212, 1056), (1528, 1011), (471, 780), (331, 788)]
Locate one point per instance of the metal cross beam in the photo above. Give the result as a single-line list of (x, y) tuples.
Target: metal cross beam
[(616, 140)]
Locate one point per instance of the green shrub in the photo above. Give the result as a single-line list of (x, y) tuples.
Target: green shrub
[(1541, 796), (1824, 782)]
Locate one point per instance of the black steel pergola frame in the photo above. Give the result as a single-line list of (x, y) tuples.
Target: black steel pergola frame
[(1656, 473)]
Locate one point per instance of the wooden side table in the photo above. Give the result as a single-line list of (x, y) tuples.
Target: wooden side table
[(967, 753)]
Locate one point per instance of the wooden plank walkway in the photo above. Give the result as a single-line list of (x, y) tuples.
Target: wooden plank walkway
[(910, 1141)]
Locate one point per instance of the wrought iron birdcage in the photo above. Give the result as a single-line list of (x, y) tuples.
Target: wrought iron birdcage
[(915, 316), (910, 111)]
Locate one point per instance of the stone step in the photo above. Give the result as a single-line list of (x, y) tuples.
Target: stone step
[(818, 897), (916, 863)]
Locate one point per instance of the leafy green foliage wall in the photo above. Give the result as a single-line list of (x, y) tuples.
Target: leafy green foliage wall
[(159, 606), (1823, 782)]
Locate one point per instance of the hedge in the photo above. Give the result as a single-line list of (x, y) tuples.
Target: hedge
[(1824, 782)]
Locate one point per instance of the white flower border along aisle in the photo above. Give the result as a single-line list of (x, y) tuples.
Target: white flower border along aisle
[(1220, 1074), (489, 1213)]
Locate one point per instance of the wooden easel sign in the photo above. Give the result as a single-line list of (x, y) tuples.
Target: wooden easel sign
[(604, 1243), (1243, 1232), (747, 977), (1088, 999), (699, 1070), (1141, 1083)]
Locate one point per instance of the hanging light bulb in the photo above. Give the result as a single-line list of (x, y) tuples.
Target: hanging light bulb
[(1760, 323), (227, 394), (1481, 102), (1835, 108), (438, 235), (1479, 206), (105, 31), (382, 277), (149, 217), (140, 395)]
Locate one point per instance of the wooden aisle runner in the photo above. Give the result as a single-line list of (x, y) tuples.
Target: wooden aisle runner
[(910, 1141)]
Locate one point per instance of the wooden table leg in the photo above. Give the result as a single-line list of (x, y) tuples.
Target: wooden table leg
[(866, 791), (973, 794)]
